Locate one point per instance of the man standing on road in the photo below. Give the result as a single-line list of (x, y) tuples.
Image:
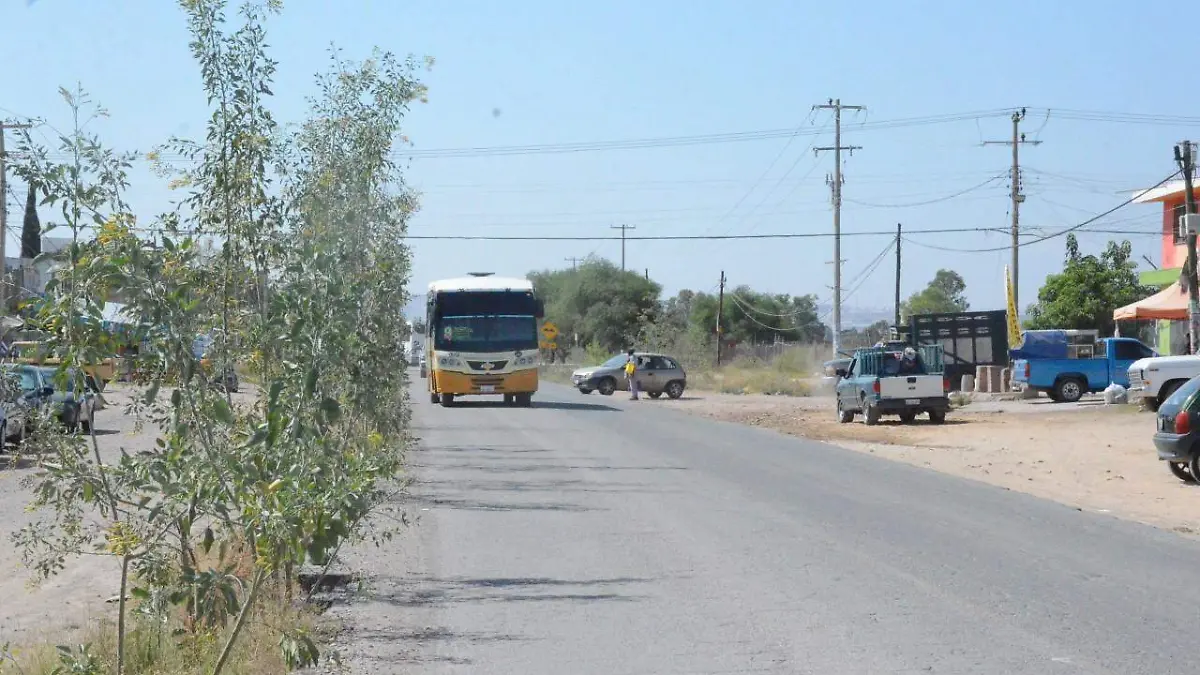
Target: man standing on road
[(631, 375)]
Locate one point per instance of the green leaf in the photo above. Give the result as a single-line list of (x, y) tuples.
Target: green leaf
[(310, 382), (331, 409), (222, 411), (139, 593)]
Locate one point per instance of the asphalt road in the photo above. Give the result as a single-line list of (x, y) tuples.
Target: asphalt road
[(596, 535)]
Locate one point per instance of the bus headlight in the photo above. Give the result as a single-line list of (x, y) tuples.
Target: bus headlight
[(524, 360), (449, 362)]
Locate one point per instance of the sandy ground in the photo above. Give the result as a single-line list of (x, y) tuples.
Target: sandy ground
[(1088, 455), (32, 610)]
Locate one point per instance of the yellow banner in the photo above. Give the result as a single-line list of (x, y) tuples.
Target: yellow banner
[(1014, 323)]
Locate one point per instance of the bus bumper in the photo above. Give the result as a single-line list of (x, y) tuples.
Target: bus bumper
[(462, 384)]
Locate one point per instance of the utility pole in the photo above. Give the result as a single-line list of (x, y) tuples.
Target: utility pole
[(1018, 139), (836, 184), (5, 126), (647, 274), (897, 276), (622, 228), (574, 262), (720, 308), (1186, 157)]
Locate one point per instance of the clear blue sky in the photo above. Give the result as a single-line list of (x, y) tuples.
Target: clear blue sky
[(569, 72)]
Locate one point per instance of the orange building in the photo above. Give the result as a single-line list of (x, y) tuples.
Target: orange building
[(1170, 305)]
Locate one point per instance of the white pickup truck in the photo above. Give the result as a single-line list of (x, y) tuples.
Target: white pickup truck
[(1154, 379)]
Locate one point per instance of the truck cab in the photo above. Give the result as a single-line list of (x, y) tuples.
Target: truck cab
[(1065, 365)]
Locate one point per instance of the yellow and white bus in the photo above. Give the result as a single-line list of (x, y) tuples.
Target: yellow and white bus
[(482, 338)]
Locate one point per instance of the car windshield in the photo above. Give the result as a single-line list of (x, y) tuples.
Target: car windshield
[(51, 376), (25, 376), (616, 361), (486, 333), (1182, 394)]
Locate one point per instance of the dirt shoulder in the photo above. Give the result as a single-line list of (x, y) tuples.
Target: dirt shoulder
[(1091, 456)]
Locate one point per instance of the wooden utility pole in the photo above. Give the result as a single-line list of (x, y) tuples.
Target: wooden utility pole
[(835, 182), (574, 262), (1186, 157), (5, 126), (1018, 139), (720, 309), (897, 276), (622, 228)]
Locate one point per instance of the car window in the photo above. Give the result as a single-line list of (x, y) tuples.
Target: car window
[(1129, 351), (616, 361), (1184, 393), (669, 364), (852, 370)]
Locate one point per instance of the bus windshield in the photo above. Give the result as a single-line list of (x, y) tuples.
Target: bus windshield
[(493, 333)]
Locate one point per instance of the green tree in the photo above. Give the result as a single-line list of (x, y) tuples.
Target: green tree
[(946, 293), (752, 316), (1085, 293), (31, 229), (598, 302)]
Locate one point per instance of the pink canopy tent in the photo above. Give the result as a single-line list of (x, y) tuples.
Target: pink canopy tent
[(1170, 304)]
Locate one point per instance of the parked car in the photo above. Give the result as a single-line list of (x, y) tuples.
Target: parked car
[(1048, 361), (75, 406), (423, 366), (1177, 431), (1154, 379), (656, 374), (202, 351), (30, 391), (830, 376), (875, 385)]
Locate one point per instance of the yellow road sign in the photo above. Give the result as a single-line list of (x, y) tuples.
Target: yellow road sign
[(549, 344), (549, 331)]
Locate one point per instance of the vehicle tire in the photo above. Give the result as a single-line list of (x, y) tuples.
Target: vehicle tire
[(508, 399), (908, 417), (1151, 403), (1069, 389), (870, 415), (585, 391), (844, 416), (3, 435), (88, 422), (524, 400), (434, 398), (1166, 391), (654, 394), (1182, 471), (937, 416), (447, 400), (607, 386), (674, 389)]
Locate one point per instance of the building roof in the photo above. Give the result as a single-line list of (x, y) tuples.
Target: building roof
[(1160, 193), (489, 283)]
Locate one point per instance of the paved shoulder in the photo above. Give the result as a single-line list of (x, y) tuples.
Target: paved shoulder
[(589, 535)]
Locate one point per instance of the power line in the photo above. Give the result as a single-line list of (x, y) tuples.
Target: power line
[(1060, 233), (960, 193)]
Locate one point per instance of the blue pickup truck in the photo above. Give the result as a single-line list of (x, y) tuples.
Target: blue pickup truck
[(1051, 361)]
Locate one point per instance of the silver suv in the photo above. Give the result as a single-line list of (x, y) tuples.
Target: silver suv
[(656, 374)]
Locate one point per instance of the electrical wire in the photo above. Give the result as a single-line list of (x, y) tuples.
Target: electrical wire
[(960, 193), (1053, 235)]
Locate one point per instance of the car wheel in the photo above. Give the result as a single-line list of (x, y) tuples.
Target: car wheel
[(1182, 471), (870, 415), (607, 386), (89, 422), (654, 394), (675, 389), (908, 417), (1069, 390), (844, 416), (937, 416), (584, 391), (1168, 389)]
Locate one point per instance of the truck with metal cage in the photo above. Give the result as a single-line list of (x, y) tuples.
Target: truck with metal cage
[(877, 382)]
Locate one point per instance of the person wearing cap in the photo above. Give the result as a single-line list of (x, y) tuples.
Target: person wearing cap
[(908, 362)]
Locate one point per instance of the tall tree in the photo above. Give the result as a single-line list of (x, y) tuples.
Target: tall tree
[(598, 301), (1085, 293), (946, 293), (31, 229)]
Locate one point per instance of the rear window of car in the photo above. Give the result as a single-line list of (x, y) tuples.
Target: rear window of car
[(1185, 395)]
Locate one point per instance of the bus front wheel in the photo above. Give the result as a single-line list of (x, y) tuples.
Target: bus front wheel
[(447, 400)]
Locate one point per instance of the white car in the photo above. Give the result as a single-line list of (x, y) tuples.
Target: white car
[(1155, 378)]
